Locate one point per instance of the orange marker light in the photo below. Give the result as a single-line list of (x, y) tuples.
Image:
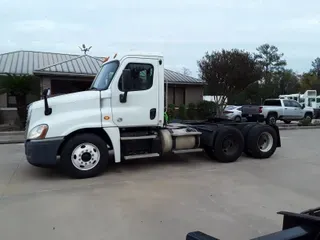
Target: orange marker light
[(106, 117), (106, 59)]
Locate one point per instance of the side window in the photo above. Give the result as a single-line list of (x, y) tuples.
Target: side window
[(295, 104), (287, 103), (141, 76)]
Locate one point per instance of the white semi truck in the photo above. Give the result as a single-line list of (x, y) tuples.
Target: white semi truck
[(124, 111)]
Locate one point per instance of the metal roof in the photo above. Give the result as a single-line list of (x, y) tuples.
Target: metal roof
[(32, 62), (80, 65)]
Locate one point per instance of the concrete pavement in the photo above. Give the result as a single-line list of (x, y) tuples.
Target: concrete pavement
[(160, 198)]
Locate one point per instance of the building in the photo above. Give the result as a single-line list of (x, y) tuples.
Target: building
[(65, 73)]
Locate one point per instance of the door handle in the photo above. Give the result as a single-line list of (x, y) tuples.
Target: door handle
[(285, 108), (153, 114)]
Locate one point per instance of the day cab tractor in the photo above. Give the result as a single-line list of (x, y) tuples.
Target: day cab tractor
[(124, 111)]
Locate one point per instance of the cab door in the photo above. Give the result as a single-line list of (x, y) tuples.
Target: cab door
[(141, 108), (298, 111), (288, 111)]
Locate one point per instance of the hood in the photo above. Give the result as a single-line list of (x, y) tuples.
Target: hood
[(67, 99)]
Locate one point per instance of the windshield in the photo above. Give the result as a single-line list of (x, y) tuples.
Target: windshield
[(105, 76)]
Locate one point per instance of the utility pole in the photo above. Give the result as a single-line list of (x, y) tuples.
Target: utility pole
[(85, 49)]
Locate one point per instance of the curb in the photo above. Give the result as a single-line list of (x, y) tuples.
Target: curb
[(10, 133), (299, 127), (11, 142)]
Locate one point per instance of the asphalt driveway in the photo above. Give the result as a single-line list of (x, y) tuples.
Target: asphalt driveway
[(160, 198)]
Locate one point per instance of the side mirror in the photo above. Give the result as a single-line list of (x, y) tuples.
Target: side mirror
[(126, 80), (303, 106), (126, 85)]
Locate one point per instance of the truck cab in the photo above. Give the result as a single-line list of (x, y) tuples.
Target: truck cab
[(123, 110)]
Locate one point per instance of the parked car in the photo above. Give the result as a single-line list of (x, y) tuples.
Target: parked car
[(284, 109), (233, 113), (252, 113)]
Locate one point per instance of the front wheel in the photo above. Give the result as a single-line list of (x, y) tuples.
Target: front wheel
[(84, 156), (308, 117)]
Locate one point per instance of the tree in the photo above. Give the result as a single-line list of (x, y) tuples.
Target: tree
[(316, 67), (227, 73), (19, 86), (309, 81), (270, 60), (185, 71), (286, 82)]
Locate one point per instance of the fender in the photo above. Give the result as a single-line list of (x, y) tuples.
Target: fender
[(114, 135)]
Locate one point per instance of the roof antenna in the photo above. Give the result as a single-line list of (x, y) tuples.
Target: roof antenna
[(85, 49)]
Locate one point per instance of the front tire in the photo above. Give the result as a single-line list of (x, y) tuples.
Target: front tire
[(308, 116), (84, 156)]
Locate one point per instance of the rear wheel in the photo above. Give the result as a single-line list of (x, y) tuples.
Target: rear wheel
[(237, 119), (84, 156), (261, 141), (271, 119), (245, 131), (228, 146)]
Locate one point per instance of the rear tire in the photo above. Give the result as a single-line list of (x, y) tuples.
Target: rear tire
[(237, 119), (271, 119), (262, 141), (245, 131), (229, 144), (84, 156)]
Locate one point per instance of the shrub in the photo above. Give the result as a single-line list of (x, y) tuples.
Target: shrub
[(304, 122), (171, 111), (191, 111), (182, 112), (206, 109)]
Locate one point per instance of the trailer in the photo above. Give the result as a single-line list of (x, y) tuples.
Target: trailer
[(124, 111)]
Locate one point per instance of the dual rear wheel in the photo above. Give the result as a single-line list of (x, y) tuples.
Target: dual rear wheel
[(258, 141)]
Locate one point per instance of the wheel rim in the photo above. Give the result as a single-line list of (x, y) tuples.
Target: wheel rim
[(308, 118), (85, 156), (238, 119), (265, 142), (229, 145), (272, 120)]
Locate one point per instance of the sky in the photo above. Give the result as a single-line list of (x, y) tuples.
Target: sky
[(182, 30)]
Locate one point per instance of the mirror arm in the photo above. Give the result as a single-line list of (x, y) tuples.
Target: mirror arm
[(123, 97)]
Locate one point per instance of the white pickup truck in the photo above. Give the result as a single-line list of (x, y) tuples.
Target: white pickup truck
[(284, 109)]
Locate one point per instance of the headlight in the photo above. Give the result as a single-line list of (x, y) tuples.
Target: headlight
[(38, 132)]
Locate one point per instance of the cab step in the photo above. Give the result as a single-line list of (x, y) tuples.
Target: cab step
[(138, 137), (187, 150), (146, 155)]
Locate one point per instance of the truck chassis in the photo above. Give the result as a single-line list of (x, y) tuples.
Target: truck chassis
[(85, 153)]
